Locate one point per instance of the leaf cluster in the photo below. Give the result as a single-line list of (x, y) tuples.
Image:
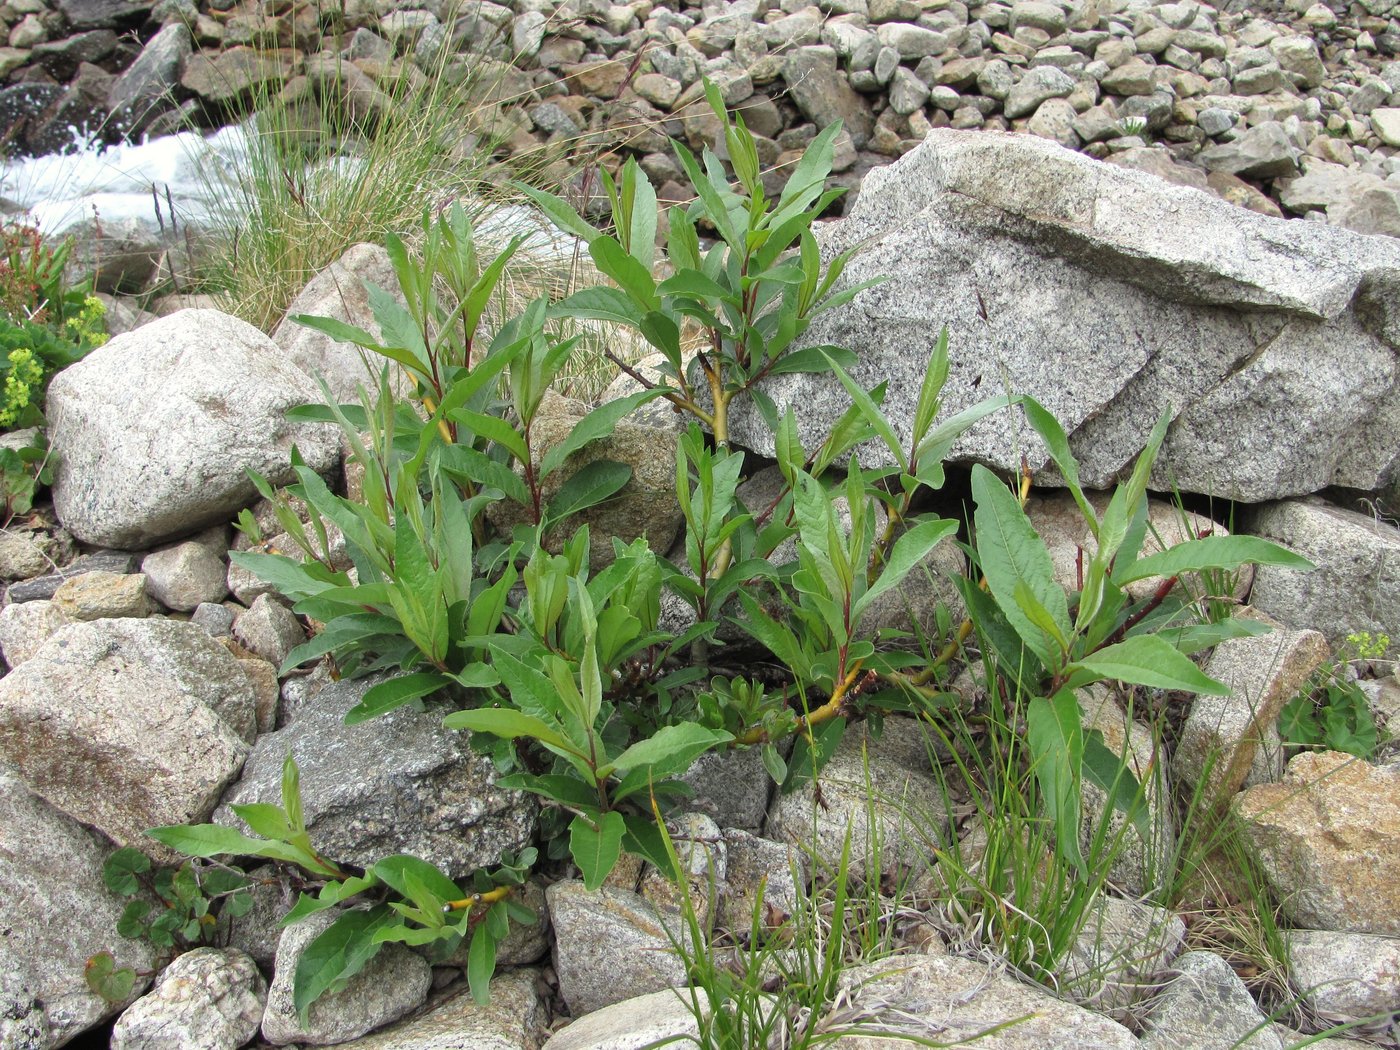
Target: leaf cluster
[(400, 899), (1048, 644)]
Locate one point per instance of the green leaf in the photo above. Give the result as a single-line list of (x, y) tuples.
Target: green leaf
[(1010, 552), (340, 952), (1056, 740), (206, 840), (481, 963), (629, 273), (813, 359), (503, 722), (332, 893), (1111, 773), (264, 819), (291, 795), (1050, 431), (596, 846), (871, 413), (384, 697), (589, 486), (396, 870), (908, 552), (1212, 552), (670, 752), (121, 868), (106, 981), (1149, 660)]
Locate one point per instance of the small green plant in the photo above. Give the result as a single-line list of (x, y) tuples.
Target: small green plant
[(1332, 713), (1047, 645), (1133, 127), (45, 326), (176, 907), (22, 470), (398, 899)]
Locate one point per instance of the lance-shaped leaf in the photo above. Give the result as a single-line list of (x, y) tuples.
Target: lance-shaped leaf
[(1056, 740), (1149, 660), (1011, 553)]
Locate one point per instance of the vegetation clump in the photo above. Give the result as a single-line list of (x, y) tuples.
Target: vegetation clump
[(567, 673)]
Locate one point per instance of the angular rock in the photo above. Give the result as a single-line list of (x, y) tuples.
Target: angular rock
[(391, 984), (24, 628), (128, 724), (1037, 86), (185, 576), (633, 1024), (400, 783), (43, 588), (953, 999), (1207, 1007), (610, 945), (902, 794), (1157, 298), (819, 90), (339, 292), (1345, 977), (759, 873), (224, 77), (269, 630), (207, 999), (1356, 585), (1224, 738), (1118, 956), (102, 595), (55, 914), (1263, 151), (1328, 839), (155, 430), (147, 86), (732, 786), (514, 1020)]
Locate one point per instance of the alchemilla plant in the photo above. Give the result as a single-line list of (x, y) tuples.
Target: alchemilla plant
[(566, 672)]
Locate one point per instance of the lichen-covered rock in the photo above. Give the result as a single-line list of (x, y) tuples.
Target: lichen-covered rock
[(55, 914), (339, 292), (185, 576), (1356, 585), (1222, 736), (400, 783), (391, 984), (207, 999), (513, 1020), (948, 998), (128, 724), (1345, 977), (1154, 298), (1118, 956), (25, 627), (269, 629), (902, 794), (1207, 1007), (634, 1024), (102, 595), (155, 431), (610, 945), (1328, 839)]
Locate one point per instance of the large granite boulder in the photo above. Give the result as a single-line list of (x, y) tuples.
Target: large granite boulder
[(400, 783), (155, 431), (128, 724), (1110, 296)]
